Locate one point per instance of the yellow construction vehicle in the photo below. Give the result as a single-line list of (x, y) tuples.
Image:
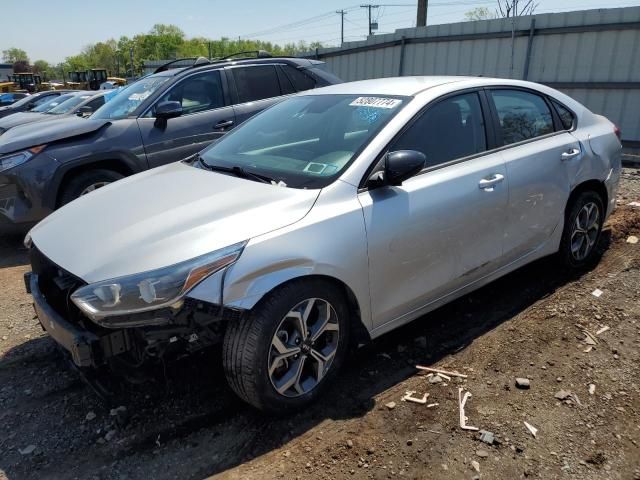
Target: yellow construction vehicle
[(27, 82), (117, 81), (96, 77), (7, 87)]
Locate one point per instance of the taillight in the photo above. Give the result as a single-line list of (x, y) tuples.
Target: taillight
[(618, 133)]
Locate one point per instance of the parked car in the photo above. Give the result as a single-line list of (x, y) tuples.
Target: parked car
[(159, 119), (11, 98), (343, 212), (30, 102), (79, 104)]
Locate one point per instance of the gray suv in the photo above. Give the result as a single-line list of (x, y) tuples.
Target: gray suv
[(164, 117)]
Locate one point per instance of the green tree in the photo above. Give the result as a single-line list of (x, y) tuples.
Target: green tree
[(479, 13), (13, 55)]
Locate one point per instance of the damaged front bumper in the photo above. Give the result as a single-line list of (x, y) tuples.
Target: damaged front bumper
[(87, 349), (197, 325)]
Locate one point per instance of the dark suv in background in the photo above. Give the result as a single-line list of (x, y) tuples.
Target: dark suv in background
[(161, 118)]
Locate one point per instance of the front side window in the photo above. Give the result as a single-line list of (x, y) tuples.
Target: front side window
[(566, 117), (452, 128), (130, 98), (256, 82), (522, 115), (197, 93), (306, 141)]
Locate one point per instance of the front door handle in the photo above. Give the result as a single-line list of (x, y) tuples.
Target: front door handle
[(569, 154), (487, 184), (223, 124)]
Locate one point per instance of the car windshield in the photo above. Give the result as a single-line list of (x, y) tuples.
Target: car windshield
[(68, 105), (306, 141), (54, 102), (129, 98)]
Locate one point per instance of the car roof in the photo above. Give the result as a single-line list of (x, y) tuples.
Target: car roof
[(404, 86), (235, 61)]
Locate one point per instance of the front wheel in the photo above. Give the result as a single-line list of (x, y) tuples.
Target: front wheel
[(284, 353), (87, 182), (583, 225)]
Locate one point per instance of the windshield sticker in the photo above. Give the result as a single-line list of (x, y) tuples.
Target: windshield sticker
[(377, 102), (138, 97)]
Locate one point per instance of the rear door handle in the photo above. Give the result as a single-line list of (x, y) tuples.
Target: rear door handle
[(223, 124), (487, 184), (569, 154)]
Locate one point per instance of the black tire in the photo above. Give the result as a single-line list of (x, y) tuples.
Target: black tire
[(85, 179), (568, 257), (248, 343)]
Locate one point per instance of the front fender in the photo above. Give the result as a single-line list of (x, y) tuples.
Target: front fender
[(329, 242)]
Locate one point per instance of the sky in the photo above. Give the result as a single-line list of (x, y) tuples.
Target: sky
[(60, 28)]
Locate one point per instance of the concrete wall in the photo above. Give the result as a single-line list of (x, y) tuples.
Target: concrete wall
[(592, 55)]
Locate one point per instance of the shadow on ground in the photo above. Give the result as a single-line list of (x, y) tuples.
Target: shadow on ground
[(12, 252), (188, 424)]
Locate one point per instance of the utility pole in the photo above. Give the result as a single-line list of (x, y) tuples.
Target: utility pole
[(209, 50), (133, 74), (421, 20), (342, 13), (369, 6)]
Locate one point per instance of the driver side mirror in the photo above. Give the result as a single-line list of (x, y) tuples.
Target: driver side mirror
[(398, 167), (31, 105), (166, 110), (84, 111)]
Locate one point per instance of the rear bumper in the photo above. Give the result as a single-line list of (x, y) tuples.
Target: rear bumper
[(86, 348)]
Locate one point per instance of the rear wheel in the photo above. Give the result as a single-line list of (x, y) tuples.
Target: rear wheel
[(283, 354), (583, 225), (87, 182)]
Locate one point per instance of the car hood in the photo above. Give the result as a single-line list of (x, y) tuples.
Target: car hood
[(25, 136), (161, 217), (21, 118)]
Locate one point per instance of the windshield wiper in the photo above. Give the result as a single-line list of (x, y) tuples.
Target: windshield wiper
[(237, 171)]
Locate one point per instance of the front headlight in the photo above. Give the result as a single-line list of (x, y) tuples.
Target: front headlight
[(154, 289), (15, 159)]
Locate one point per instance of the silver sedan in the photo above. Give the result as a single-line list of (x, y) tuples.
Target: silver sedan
[(327, 220)]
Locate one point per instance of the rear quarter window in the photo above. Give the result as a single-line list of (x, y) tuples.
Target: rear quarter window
[(566, 116), (300, 80)]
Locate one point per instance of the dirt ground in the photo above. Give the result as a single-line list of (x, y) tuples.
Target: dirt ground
[(528, 324)]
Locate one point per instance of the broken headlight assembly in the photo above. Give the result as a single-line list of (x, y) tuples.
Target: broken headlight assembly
[(151, 290), (18, 158)]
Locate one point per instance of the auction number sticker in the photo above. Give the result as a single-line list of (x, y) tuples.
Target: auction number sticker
[(377, 102)]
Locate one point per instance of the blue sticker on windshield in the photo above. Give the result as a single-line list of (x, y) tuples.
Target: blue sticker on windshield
[(368, 114)]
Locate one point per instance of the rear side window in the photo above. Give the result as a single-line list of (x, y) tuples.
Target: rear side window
[(300, 80), (522, 115), (566, 117), (452, 128), (256, 82)]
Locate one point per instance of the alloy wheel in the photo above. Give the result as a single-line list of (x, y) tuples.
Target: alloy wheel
[(585, 231), (93, 186), (303, 347)]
